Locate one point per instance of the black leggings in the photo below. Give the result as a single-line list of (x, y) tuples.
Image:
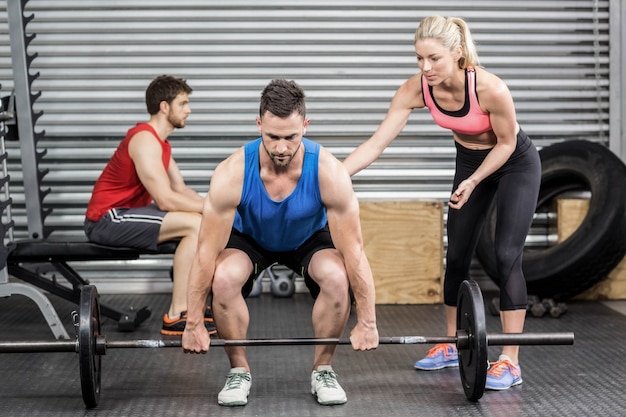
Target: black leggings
[(515, 187)]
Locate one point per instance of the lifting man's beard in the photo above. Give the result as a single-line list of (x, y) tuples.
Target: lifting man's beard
[(281, 163)]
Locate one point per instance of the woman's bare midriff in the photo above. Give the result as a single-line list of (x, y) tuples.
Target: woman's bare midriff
[(483, 141)]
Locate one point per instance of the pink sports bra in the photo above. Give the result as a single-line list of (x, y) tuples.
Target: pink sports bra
[(470, 119)]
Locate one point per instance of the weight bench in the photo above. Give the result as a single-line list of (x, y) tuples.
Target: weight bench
[(30, 260)]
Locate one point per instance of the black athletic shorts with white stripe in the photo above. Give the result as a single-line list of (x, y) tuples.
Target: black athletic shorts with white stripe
[(129, 227)]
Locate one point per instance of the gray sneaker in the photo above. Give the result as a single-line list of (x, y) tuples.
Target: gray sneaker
[(236, 389), (325, 386)]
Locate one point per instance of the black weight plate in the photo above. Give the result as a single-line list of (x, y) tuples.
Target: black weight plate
[(470, 317), (89, 360)]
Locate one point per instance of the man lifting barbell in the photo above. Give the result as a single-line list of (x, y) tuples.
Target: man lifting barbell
[(280, 199)]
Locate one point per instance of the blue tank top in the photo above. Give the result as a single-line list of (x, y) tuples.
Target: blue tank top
[(280, 226)]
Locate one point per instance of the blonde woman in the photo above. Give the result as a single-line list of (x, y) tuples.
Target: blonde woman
[(495, 160)]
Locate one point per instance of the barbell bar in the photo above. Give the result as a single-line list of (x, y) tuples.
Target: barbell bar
[(471, 341), (460, 340)]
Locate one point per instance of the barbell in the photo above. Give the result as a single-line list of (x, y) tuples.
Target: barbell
[(471, 341)]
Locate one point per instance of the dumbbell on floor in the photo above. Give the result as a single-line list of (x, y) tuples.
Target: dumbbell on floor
[(536, 307), (558, 310), (545, 306)]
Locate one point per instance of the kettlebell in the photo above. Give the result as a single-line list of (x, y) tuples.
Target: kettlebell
[(282, 282), (257, 288)]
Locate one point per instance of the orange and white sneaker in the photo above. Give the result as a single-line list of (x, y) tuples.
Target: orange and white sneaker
[(442, 355), (503, 374), (176, 327)]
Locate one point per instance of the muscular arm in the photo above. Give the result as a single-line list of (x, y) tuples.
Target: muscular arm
[(407, 98), (342, 208), (178, 184), (167, 188), (218, 214)]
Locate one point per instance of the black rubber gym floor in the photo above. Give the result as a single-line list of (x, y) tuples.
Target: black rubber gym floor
[(586, 379)]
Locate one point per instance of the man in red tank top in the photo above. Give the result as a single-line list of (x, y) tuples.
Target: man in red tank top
[(141, 200)]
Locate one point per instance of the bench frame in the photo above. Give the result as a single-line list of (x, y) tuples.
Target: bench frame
[(32, 260)]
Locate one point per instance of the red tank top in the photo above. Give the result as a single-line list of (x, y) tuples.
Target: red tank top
[(119, 184), (469, 120)]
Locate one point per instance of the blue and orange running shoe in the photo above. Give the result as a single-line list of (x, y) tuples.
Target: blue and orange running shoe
[(176, 327), (442, 355), (503, 374)]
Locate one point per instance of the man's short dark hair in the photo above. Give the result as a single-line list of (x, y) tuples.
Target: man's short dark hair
[(282, 98), (164, 88)]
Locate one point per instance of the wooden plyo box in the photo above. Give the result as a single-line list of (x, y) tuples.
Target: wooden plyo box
[(570, 214), (404, 245)]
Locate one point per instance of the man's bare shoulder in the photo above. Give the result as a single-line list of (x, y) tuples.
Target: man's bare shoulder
[(329, 164), (144, 136), (335, 183), (144, 142), (232, 164), (227, 179)]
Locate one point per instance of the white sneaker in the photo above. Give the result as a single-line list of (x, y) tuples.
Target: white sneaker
[(324, 384), (236, 389)]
